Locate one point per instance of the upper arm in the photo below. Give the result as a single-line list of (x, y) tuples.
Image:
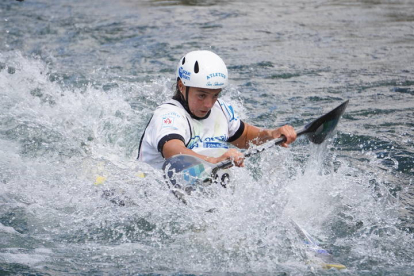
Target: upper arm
[(251, 134), (242, 141), (168, 125), (173, 147)]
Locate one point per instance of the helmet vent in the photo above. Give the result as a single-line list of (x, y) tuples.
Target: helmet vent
[(196, 69), (182, 63)]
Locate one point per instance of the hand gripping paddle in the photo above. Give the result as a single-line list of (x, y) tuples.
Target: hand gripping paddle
[(186, 171)]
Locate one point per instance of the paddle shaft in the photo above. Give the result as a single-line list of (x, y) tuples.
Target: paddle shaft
[(228, 163)]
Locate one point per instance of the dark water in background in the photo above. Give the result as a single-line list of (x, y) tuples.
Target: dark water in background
[(79, 80)]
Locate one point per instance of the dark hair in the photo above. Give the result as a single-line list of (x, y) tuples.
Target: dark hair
[(177, 94)]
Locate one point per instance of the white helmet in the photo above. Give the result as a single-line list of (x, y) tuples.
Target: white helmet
[(203, 69)]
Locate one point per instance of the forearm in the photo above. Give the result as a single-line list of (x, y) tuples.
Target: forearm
[(174, 147), (258, 136)]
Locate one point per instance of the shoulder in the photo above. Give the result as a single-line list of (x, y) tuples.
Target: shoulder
[(227, 109), (172, 108), (168, 116)]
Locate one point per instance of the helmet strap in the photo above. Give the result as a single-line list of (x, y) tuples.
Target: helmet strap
[(187, 91), (184, 102)]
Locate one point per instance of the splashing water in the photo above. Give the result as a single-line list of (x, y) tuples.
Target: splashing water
[(56, 140), (60, 131)]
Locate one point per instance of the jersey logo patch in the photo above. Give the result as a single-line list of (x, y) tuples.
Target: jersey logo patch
[(168, 121)]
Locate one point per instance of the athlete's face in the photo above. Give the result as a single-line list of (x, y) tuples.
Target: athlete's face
[(201, 100)]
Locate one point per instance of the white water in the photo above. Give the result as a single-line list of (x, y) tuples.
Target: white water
[(56, 139)]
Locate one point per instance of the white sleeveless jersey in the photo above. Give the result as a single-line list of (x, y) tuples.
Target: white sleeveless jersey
[(209, 136)]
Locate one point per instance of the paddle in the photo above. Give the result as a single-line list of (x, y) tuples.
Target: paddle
[(184, 171)]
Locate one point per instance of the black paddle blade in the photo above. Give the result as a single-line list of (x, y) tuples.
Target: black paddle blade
[(319, 129)]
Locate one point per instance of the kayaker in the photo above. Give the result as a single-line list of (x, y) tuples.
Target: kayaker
[(196, 122)]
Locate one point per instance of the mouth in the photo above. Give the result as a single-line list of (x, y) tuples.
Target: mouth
[(203, 112)]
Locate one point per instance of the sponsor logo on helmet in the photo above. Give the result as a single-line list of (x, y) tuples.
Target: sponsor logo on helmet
[(216, 84), (184, 74), (214, 75)]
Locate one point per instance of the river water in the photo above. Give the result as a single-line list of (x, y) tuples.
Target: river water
[(78, 83)]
